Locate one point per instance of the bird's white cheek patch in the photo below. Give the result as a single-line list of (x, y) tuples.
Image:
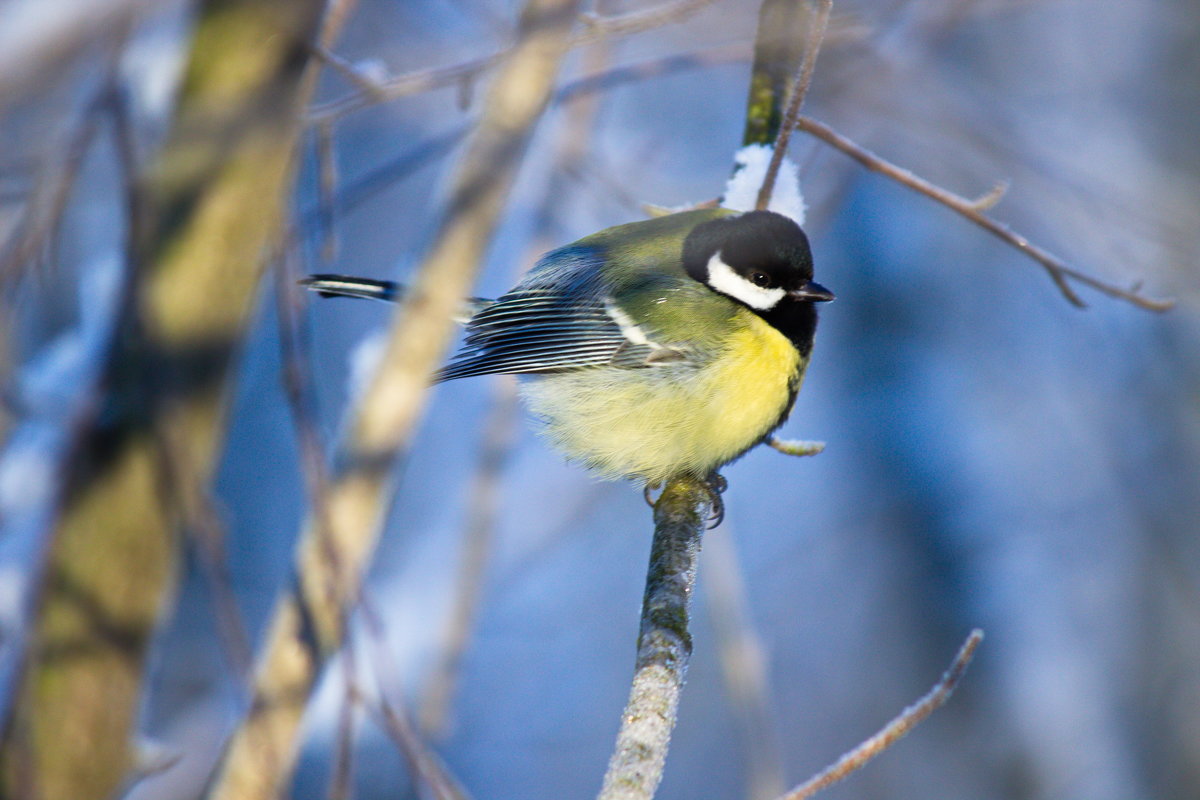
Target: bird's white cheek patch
[(725, 280)]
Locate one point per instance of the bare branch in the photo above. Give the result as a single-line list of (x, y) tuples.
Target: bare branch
[(1055, 267), (664, 643), (908, 719), (778, 51), (816, 34)]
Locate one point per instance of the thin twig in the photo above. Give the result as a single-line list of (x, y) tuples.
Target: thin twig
[(1055, 267), (365, 83), (430, 775), (796, 447), (204, 531), (664, 643), (816, 34), (646, 19), (601, 80), (298, 387), (409, 83), (353, 193), (908, 719), (337, 13), (483, 505), (654, 210), (327, 182), (45, 204), (341, 779), (465, 73)]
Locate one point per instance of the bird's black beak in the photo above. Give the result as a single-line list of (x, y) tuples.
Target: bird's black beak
[(811, 291)]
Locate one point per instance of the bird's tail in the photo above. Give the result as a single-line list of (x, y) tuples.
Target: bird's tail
[(388, 291), (347, 286)]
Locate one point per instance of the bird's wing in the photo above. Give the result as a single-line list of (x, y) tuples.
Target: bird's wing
[(543, 331)]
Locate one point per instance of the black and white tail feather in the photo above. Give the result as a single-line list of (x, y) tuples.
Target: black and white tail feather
[(530, 330), (387, 291), (346, 286)]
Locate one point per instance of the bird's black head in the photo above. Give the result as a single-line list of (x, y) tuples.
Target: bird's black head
[(762, 260)]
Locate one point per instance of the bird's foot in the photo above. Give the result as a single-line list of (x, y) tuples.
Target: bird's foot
[(716, 484)]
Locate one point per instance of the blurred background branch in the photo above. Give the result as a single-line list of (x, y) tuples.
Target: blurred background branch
[(36, 38), (199, 218), (371, 90), (310, 622)]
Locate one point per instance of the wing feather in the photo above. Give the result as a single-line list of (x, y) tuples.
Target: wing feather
[(541, 332), (560, 318)]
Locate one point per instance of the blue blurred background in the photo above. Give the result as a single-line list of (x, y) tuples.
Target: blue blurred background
[(996, 458)]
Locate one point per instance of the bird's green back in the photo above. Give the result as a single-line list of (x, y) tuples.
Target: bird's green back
[(645, 275)]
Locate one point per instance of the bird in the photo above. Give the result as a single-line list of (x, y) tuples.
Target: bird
[(650, 350)]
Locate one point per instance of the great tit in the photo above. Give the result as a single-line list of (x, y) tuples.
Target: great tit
[(652, 349)]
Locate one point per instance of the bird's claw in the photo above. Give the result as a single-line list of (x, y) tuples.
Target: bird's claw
[(716, 484)]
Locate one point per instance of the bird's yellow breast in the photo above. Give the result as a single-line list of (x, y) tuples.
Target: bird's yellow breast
[(657, 422)]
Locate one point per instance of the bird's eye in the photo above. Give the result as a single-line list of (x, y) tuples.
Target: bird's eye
[(760, 279)]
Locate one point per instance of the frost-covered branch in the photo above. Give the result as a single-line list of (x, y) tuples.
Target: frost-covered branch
[(816, 35), (664, 643)]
